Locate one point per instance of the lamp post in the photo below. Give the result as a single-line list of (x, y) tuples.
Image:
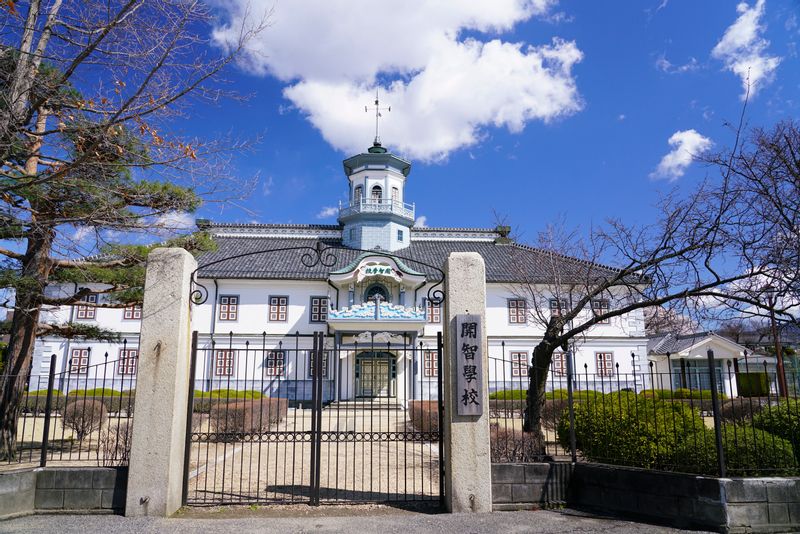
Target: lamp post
[(772, 299)]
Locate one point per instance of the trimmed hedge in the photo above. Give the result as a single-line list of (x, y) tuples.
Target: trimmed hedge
[(247, 416), (424, 415), (205, 400), (748, 452), (509, 394), (34, 404), (752, 384), (228, 394), (84, 416), (512, 445), (628, 429), (739, 410)]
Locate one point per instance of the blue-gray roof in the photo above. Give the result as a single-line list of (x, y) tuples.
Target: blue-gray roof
[(504, 262)]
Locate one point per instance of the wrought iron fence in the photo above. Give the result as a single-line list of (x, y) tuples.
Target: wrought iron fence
[(306, 418), (734, 420), (80, 416)]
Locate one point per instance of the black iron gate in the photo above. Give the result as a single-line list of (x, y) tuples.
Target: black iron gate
[(313, 418)]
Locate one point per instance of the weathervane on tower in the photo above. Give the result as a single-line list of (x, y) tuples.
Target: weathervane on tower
[(378, 115)]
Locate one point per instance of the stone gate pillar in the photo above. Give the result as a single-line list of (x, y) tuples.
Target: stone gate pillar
[(155, 475), (468, 467)]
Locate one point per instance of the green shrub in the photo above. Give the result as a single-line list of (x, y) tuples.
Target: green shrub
[(626, 429), (228, 394), (508, 394), (748, 452), (783, 420)]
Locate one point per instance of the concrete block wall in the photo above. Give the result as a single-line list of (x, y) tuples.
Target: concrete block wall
[(762, 504), (729, 505), (530, 486), (76, 489), (17, 493)]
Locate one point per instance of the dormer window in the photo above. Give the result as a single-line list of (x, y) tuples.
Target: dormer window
[(377, 193)]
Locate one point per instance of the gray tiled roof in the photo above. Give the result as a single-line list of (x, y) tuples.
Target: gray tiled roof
[(504, 262), (674, 343)]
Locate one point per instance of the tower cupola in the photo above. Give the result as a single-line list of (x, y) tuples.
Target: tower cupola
[(376, 215)]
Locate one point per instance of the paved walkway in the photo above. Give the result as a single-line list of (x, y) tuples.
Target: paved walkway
[(356, 519)]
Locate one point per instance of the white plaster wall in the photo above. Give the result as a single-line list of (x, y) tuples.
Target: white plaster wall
[(254, 307)]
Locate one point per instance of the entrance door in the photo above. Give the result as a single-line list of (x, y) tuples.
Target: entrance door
[(374, 380), (376, 374)]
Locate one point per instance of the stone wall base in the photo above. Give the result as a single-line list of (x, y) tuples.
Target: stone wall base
[(63, 489), (728, 505), (530, 486)]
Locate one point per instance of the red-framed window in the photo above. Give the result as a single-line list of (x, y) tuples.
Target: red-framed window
[(277, 308), (228, 307), (128, 358), (275, 365), (430, 364), (557, 307), (559, 364), (519, 363), (433, 311), (318, 312), (87, 312), (599, 307), (79, 361), (605, 363), (132, 312), (324, 364), (517, 311), (224, 361)]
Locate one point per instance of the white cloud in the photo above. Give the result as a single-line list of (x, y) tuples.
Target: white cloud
[(686, 144), (82, 233), (432, 76), (743, 50), (665, 65), (327, 212), (421, 222), (621, 117), (175, 221)]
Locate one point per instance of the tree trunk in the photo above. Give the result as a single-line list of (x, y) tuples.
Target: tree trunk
[(532, 419), (35, 270)]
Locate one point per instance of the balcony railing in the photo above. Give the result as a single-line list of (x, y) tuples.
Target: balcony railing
[(377, 205)]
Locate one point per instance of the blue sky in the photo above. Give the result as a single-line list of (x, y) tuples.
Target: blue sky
[(538, 110)]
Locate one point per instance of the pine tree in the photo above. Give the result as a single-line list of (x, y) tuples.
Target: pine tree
[(94, 156)]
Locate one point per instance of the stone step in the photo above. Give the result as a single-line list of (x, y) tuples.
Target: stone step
[(376, 404)]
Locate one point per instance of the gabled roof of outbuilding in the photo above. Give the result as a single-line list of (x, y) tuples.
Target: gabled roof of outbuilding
[(247, 257)]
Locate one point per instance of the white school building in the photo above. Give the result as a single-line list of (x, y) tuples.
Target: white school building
[(372, 290)]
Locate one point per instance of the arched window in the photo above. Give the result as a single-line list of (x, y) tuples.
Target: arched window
[(376, 289), (358, 192), (377, 193)]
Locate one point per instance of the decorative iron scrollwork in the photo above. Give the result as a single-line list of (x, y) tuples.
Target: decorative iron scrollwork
[(312, 257)]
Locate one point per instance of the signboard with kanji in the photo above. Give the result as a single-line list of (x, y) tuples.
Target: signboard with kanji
[(469, 365)]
